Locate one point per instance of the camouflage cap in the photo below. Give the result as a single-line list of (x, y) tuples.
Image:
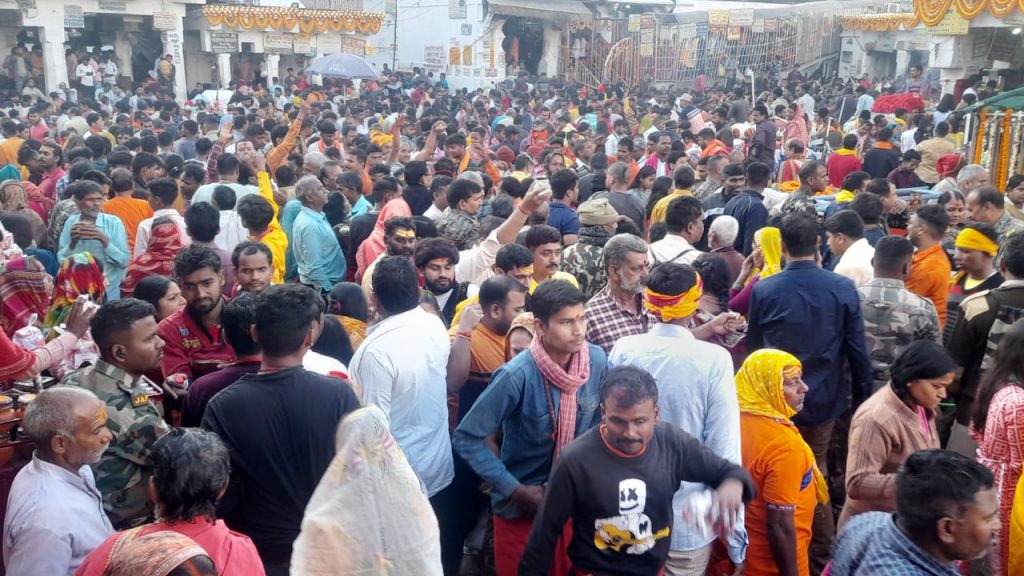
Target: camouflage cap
[(597, 213)]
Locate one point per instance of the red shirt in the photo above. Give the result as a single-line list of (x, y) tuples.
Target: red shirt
[(189, 347), (839, 166), (234, 554), (48, 185)]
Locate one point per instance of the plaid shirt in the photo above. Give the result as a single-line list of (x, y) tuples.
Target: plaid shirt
[(607, 321), (871, 544)]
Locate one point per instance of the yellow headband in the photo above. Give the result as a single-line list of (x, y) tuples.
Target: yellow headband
[(971, 239), (670, 308)]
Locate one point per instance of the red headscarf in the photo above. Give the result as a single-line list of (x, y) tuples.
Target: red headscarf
[(23, 292), (158, 259), (949, 165)]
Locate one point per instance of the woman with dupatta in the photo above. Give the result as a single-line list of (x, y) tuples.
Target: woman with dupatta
[(79, 275), (771, 391), (368, 515), (158, 259)]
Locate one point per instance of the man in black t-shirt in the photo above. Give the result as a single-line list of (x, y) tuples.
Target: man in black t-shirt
[(279, 425), (616, 483)]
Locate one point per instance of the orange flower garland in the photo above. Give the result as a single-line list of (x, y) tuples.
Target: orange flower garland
[(931, 12), (979, 137), (286, 19), (1003, 165)]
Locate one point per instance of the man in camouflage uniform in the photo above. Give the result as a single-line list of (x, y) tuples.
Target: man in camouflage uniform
[(813, 181), (125, 331), (894, 316), (598, 220), (983, 319), (986, 206), (459, 223)]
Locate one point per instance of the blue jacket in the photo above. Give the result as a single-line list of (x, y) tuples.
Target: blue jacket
[(814, 315), (515, 401)]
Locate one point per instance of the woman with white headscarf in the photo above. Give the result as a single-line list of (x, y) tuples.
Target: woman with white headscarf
[(369, 514)]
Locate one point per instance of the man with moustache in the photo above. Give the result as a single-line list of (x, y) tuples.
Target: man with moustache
[(125, 331), (618, 309), (69, 428), (254, 266), (194, 346), (399, 240), (435, 258)]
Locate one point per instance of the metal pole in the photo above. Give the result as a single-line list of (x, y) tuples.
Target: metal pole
[(394, 41)]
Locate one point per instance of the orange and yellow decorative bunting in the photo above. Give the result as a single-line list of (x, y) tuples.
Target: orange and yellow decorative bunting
[(931, 12), (286, 19), (881, 22)]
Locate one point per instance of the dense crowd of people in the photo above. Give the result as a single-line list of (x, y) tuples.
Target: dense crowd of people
[(541, 329)]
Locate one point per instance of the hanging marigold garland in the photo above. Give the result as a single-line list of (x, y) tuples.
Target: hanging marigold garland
[(931, 12), (1003, 167), (286, 19), (979, 137)]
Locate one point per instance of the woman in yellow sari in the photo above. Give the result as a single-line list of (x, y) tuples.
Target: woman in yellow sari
[(1015, 564), (348, 303), (771, 390), (764, 261)]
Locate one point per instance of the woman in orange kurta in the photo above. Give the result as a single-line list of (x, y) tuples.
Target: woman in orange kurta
[(770, 389)]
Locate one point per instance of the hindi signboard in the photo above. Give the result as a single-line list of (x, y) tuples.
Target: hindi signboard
[(353, 45), (277, 43), (743, 17), (74, 17), (434, 58), (718, 18), (112, 5), (164, 21), (328, 44), (223, 42)]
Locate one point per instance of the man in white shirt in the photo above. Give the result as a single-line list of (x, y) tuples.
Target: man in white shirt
[(684, 221), (401, 368), (908, 139), (86, 80), (845, 233), (162, 193), (227, 171), (55, 514), (696, 392), (611, 145), (805, 100)]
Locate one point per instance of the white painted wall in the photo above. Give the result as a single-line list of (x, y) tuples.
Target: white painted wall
[(426, 23)]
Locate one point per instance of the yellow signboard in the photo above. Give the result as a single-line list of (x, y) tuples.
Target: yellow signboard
[(952, 25)]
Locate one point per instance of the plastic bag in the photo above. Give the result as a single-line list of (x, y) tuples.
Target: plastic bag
[(85, 352), (30, 337)]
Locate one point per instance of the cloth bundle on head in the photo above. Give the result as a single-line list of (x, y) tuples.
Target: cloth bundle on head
[(23, 292), (79, 274), (156, 554), (949, 165), (597, 213), (670, 308), (972, 239), (368, 515), (759, 388)]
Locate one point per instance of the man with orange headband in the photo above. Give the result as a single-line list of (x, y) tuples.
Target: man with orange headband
[(697, 393), (976, 248)]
